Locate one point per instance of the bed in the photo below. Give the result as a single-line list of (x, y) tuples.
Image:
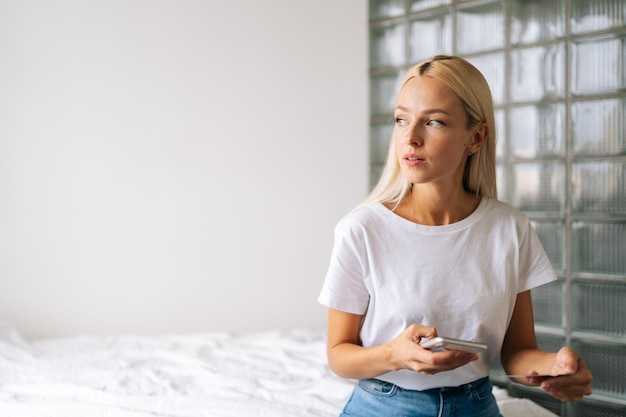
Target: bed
[(273, 374)]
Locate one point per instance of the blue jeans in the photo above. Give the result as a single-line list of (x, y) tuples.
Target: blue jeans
[(375, 398)]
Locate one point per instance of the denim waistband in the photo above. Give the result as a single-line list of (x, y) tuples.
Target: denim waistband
[(461, 388), (374, 397)]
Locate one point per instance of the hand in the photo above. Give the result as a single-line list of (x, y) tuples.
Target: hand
[(408, 354), (572, 379)]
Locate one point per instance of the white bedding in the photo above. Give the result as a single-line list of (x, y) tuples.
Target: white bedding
[(270, 374)]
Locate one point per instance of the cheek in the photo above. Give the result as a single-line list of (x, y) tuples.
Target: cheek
[(449, 149), (453, 153), (458, 145)]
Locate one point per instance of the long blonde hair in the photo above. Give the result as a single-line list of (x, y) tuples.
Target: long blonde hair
[(470, 86)]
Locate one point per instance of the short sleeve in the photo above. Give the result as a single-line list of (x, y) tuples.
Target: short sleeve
[(535, 267), (344, 287)]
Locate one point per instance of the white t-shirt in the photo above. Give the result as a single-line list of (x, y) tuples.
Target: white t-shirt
[(461, 278)]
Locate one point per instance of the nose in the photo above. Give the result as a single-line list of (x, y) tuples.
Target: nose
[(413, 135)]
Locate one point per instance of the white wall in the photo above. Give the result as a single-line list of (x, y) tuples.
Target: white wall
[(176, 165)]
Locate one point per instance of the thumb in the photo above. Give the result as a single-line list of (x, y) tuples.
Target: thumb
[(567, 361)]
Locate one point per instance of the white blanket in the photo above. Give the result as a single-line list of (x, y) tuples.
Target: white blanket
[(272, 374)]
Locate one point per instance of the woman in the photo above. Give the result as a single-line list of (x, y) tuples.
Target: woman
[(432, 252)]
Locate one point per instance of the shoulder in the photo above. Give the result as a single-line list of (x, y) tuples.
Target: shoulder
[(499, 211), (498, 217), (366, 216), (362, 219)]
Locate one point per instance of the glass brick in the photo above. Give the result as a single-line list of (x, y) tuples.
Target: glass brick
[(550, 343), (594, 15), (537, 130), (599, 127), (598, 187), (383, 90), (501, 178), (539, 187), (430, 35), (489, 18), (599, 308), (420, 5), (386, 8), (548, 304), (607, 361), (537, 73), (536, 21), (595, 408), (599, 248), (552, 237), (387, 45), (598, 65), (493, 69), (500, 116), (379, 142)]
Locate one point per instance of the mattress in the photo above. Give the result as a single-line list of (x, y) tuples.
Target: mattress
[(272, 373)]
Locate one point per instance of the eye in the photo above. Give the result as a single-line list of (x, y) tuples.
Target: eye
[(435, 123), (400, 121)]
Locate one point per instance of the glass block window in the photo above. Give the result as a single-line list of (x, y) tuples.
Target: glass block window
[(557, 71)]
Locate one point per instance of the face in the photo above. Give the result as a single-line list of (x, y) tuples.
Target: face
[(430, 136)]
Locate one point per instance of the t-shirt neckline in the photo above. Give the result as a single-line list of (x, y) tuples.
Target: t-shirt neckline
[(473, 217)]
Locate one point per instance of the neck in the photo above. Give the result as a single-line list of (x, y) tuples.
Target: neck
[(436, 209)]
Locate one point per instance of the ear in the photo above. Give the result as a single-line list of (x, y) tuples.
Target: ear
[(481, 132)]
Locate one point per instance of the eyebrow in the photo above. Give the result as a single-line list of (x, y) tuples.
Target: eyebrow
[(428, 111)]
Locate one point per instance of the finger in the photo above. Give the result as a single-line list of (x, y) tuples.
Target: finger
[(535, 379), (566, 394), (566, 388), (446, 361), (418, 331), (453, 355)]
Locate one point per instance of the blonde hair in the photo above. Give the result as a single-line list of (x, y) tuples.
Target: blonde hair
[(472, 89)]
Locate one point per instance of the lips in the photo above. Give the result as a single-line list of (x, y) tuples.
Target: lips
[(413, 159)]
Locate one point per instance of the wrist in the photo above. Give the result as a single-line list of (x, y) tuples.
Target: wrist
[(390, 359)]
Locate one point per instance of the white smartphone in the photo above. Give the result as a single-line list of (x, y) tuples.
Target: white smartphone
[(449, 343)]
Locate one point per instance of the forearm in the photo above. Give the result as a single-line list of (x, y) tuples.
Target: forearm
[(356, 362), (519, 354), (525, 360)]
